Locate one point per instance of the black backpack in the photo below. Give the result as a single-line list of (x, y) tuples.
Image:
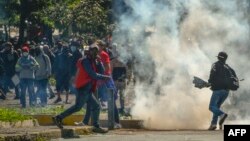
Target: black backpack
[(232, 81)]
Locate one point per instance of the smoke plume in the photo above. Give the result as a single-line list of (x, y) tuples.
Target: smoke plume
[(170, 41)]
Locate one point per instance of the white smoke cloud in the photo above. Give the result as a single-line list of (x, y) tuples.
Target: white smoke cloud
[(171, 42)]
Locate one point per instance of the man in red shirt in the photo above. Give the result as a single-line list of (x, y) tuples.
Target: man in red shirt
[(104, 57), (102, 88)]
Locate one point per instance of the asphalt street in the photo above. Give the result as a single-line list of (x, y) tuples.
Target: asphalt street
[(133, 135)]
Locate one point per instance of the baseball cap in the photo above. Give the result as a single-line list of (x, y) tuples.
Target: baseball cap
[(25, 49), (93, 46), (222, 55), (101, 43)]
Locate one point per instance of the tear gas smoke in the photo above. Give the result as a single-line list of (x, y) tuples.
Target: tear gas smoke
[(170, 42)]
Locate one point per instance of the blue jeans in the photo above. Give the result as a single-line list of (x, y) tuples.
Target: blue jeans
[(87, 115), (84, 95), (72, 89), (24, 84), (42, 90), (102, 92), (217, 99)]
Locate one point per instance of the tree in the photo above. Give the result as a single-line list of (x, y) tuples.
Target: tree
[(69, 16), (81, 16), (11, 17)]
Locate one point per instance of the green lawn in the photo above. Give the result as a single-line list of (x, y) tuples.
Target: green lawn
[(12, 115)]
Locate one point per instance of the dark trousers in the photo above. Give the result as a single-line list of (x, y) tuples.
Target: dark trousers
[(42, 90), (83, 96), (7, 83), (27, 84)]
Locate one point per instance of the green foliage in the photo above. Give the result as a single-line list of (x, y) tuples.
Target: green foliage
[(42, 110), (12, 115), (40, 138), (84, 16), (12, 12), (69, 16), (38, 17)]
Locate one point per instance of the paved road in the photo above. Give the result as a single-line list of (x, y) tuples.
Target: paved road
[(130, 135)]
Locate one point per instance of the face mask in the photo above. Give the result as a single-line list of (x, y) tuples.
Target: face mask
[(73, 48), (25, 54)]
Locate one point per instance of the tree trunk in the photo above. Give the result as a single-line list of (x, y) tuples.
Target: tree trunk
[(6, 33), (23, 15)]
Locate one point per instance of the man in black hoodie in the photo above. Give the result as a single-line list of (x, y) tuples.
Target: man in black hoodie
[(220, 90), (9, 57)]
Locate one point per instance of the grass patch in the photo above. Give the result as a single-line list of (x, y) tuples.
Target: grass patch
[(12, 115), (48, 110), (18, 114)]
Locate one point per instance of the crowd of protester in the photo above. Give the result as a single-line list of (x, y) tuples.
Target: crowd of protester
[(28, 69)]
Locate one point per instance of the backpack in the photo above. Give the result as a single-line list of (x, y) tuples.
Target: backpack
[(232, 81)]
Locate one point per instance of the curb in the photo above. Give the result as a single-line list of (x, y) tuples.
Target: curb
[(46, 132), (19, 124), (45, 120), (49, 134)]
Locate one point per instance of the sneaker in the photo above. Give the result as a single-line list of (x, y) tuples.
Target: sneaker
[(117, 126), (222, 119), (57, 100), (212, 127), (58, 122), (99, 130), (80, 124)]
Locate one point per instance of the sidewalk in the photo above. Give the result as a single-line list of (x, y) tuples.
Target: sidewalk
[(47, 132), (43, 133)]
